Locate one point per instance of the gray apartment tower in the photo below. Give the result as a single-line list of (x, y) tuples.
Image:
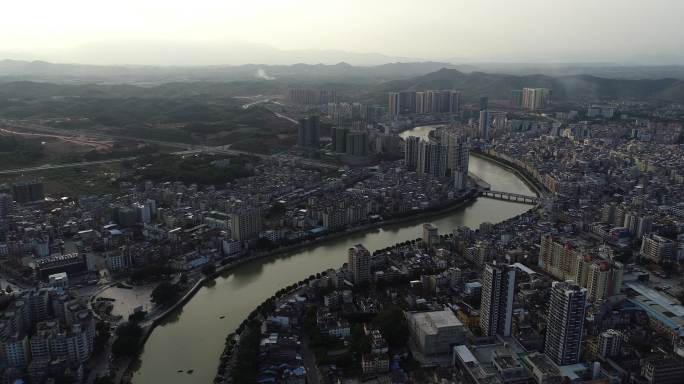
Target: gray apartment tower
[(498, 292), (309, 132), (565, 322)]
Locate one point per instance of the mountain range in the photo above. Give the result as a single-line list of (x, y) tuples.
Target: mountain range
[(15, 70), (365, 83), (576, 87)]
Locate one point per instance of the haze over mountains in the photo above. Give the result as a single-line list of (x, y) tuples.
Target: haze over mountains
[(20, 70), (573, 87), (367, 74), (366, 83)]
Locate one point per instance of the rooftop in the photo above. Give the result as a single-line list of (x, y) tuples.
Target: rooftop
[(433, 321)]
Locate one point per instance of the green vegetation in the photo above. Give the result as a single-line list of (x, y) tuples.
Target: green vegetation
[(117, 152), (247, 362), (15, 151), (165, 293), (195, 169), (211, 118), (392, 325), (360, 342), (137, 316), (104, 380), (128, 337), (74, 181), (208, 269), (102, 335), (151, 272)]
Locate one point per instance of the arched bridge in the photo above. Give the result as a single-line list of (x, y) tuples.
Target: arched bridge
[(508, 196)]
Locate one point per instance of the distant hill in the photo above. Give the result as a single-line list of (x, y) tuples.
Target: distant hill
[(17, 70), (578, 87), (367, 84)]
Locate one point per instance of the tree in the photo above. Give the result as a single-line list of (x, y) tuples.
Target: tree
[(208, 269), (264, 243), (392, 325), (137, 317), (127, 340), (129, 329), (104, 380), (247, 360), (125, 346), (276, 210), (164, 293), (183, 279), (151, 272), (360, 342), (102, 335)]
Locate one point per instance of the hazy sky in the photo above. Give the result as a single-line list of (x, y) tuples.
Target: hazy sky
[(467, 30)]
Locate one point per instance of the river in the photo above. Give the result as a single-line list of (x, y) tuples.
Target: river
[(193, 337)]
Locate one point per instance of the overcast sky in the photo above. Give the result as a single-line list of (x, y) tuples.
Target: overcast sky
[(465, 30)]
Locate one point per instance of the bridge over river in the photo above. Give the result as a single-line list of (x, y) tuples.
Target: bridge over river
[(510, 196)]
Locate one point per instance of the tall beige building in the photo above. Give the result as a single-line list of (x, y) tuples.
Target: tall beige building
[(430, 235), (359, 263), (604, 280), (535, 98)]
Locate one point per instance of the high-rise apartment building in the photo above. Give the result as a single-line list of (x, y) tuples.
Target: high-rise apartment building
[(430, 101), (454, 102), (669, 370), (484, 125), (657, 248), (498, 292), (535, 98), (411, 150), (516, 98), (357, 143), (434, 101), (430, 235), (610, 343), (421, 102), (458, 158), (359, 263), (604, 280), (561, 257), (5, 205), (407, 102), (339, 139), (484, 103), (565, 322), (432, 159), (311, 96), (245, 223), (445, 155), (28, 191), (309, 132), (394, 104)]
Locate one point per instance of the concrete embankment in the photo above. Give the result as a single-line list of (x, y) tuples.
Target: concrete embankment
[(528, 179)]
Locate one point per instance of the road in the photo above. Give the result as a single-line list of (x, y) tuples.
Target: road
[(70, 139), (58, 166), (183, 148)]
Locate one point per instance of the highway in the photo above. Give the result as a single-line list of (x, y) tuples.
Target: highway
[(184, 149), (66, 165)]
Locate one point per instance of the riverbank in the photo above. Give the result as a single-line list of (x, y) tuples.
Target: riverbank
[(432, 212), (229, 359), (287, 250), (187, 338), (539, 189)]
